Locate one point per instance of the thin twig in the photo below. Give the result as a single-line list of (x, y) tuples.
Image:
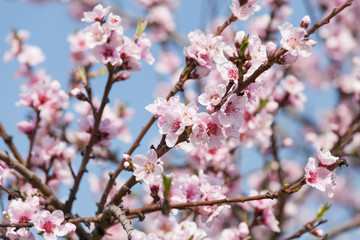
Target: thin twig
[(11, 145), (91, 143)]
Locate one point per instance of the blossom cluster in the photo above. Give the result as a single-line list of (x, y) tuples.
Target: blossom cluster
[(50, 225)]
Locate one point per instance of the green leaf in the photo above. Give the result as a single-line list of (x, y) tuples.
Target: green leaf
[(167, 184), (322, 210), (140, 28)]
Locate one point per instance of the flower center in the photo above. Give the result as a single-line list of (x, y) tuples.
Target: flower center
[(149, 167), (49, 227)]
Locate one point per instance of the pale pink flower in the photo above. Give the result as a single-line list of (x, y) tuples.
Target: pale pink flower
[(269, 220), (161, 106), (231, 111), (325, 157), (243, 230), (257, 50), (96, 15), (320, 177), (15, 43), (105, 134), (137, 235), (206, 50), (31, 55), (131, 55), (19, 211), (50, 224), (114, 22), (228, 71), (167, 62), (293, 40), (212, 95), (188, 230), (108, 53), (148, 168), (245, 11), (171, 124), (26, 126), (144, 43), (96, 34)]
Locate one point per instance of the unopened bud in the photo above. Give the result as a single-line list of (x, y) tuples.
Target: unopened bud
[(270, 50), (317, 232), (305, 22), (287, 59), (312, 42), (127, 165), (123, 76), (287, 142), (76, 92)]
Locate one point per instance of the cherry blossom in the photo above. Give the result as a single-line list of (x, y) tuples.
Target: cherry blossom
[(148, 168), (319, 177), (96, 15), (293, 40), (243, 12), (51, 224), (325, 157), (96, 34)]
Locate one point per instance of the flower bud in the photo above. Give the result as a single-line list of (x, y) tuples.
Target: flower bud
[(76, 92), (317, 232), (305, 22), (270, 49)]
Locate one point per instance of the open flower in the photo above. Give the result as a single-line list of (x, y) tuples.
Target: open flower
[(320, 177), (50, 224), (148, 168)]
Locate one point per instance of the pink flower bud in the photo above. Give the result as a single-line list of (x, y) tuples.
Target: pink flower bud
[(305, 22), (317, 232), (270, 49), (76, 92), (287, 142), (123, 76)]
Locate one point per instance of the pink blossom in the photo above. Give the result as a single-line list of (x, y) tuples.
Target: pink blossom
[(22, 212), (137, 235), (231, 111), (114, 22), (31, 55), (144, 43), (320, 177), (15, 42), (171, 124), (26, 126), (148, 168), (206, 50), (96, 34), (246, 10), (228, 72), (243, 230), (105, 134), (96, 15), (325, 157), (293, 40), (257, 50), (108, 52), (50, 224), (167, 62), (212, 95)]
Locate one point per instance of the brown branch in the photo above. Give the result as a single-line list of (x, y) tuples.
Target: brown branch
[(93, 138), (178, 87), (13, 194), (327, 19), (11, 145), (32, 137), (32, 178), (307, 227), (226, 23)]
